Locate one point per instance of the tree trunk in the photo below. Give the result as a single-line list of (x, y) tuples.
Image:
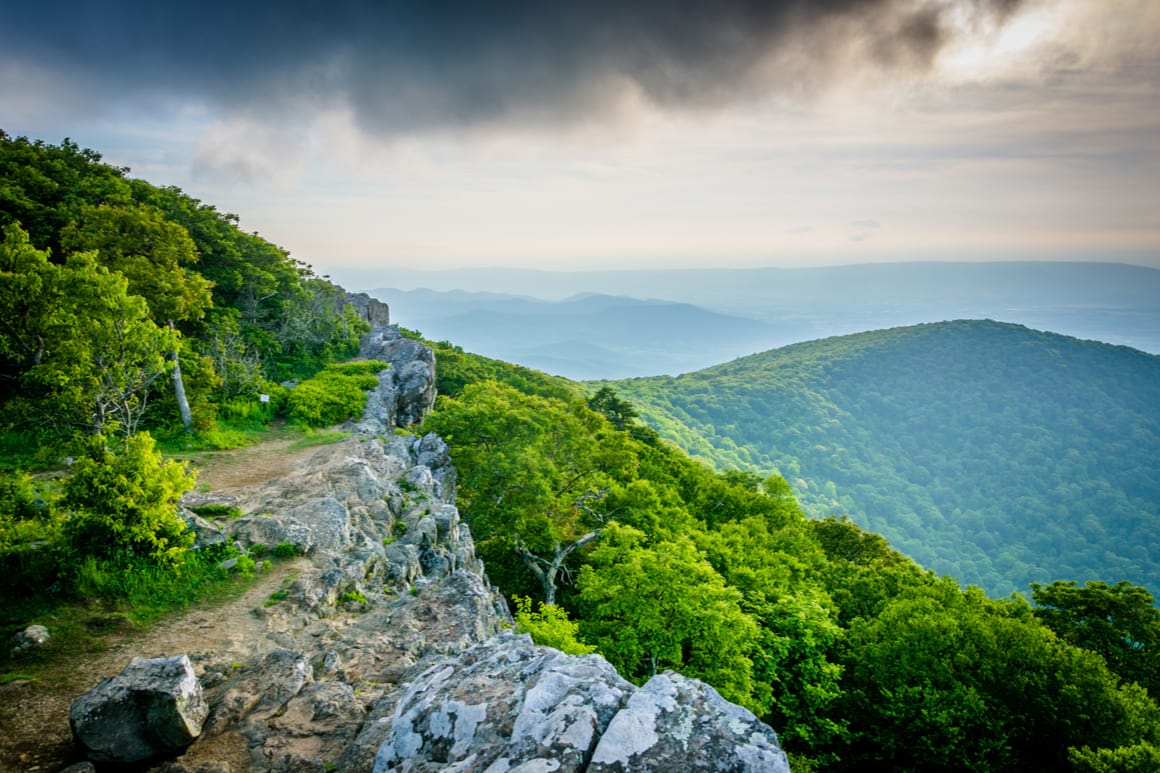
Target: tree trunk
[(179, 390), (547, 571)]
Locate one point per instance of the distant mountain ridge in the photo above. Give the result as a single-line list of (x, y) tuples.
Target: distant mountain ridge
[(1112, 302), (589, 335), (995, 453)]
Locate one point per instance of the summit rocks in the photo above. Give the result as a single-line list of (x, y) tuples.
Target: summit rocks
[(389, 650)]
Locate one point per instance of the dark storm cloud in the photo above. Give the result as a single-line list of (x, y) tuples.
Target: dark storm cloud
[(414, 65)]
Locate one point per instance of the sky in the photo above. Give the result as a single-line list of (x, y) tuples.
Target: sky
[(613, 134)]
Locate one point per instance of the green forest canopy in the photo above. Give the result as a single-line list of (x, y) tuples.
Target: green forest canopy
[(109, 284), (856, 655), (994, 453)]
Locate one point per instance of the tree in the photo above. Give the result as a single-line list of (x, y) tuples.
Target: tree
[(947, 679), (85, 355), (619, 412), (652, 607), (155, 256), (1120, 622), (537, 476)]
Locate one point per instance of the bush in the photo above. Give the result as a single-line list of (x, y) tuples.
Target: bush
[(286, 550), (125, 503), (334, 395), (218, 512), (549, 627), (18, 499)]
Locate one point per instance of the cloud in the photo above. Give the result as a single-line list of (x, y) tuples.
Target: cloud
[(245, 152), (865, 224), (408, 67)]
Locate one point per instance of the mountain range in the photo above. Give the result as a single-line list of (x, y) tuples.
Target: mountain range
[(621, 324)]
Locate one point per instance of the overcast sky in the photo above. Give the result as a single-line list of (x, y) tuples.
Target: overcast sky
[(620, 133)]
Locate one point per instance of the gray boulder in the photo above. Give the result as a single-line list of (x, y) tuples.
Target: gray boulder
[(499, 705), (32, 637), (153, 708), (674, 722), (508, 706)]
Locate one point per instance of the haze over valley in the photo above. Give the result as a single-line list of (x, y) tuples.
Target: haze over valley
[(619, 324)]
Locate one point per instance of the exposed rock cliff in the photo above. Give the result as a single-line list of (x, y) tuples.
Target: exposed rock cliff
[(390, 651)]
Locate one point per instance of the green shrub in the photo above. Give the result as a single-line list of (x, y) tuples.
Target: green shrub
[(245, 566), (18, 498), (286, 550), (549, 627), (218, 512), (355, 596), (334, 395), (125, 503)]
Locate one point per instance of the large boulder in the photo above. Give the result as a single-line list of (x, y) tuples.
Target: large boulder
[(674, 722), (507, 705), (151, 709)]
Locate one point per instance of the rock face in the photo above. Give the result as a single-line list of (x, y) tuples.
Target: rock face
[(389, 649), (507, 705), (406, 392), (374, 311), (675, 722), (153, 708)]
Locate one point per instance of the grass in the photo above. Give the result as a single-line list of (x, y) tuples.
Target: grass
[(319, 438), (110, 601)]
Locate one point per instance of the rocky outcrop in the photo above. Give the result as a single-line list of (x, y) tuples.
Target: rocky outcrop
[(406, 391), (388, 650), (507, 705), (678, 723), (372, 310), (151, 709)]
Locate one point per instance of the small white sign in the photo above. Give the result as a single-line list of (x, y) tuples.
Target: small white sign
[(264, 398)]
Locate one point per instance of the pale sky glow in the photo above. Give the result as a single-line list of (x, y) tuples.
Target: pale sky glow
[(1037, 137)]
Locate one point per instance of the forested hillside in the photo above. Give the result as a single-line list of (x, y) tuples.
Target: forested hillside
[(860, 659), (987, 451), (133, 319), (118, 296)]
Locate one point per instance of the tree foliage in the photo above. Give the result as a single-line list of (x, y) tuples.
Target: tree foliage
[(1120, 622), (236, 311)]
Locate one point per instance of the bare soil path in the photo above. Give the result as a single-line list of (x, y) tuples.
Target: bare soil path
[(34, 729)]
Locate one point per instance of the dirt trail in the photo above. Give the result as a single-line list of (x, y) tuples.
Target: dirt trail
[(229, 471), (34, 729)]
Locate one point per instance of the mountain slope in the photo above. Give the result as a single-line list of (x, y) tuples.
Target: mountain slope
[(988, 451)]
